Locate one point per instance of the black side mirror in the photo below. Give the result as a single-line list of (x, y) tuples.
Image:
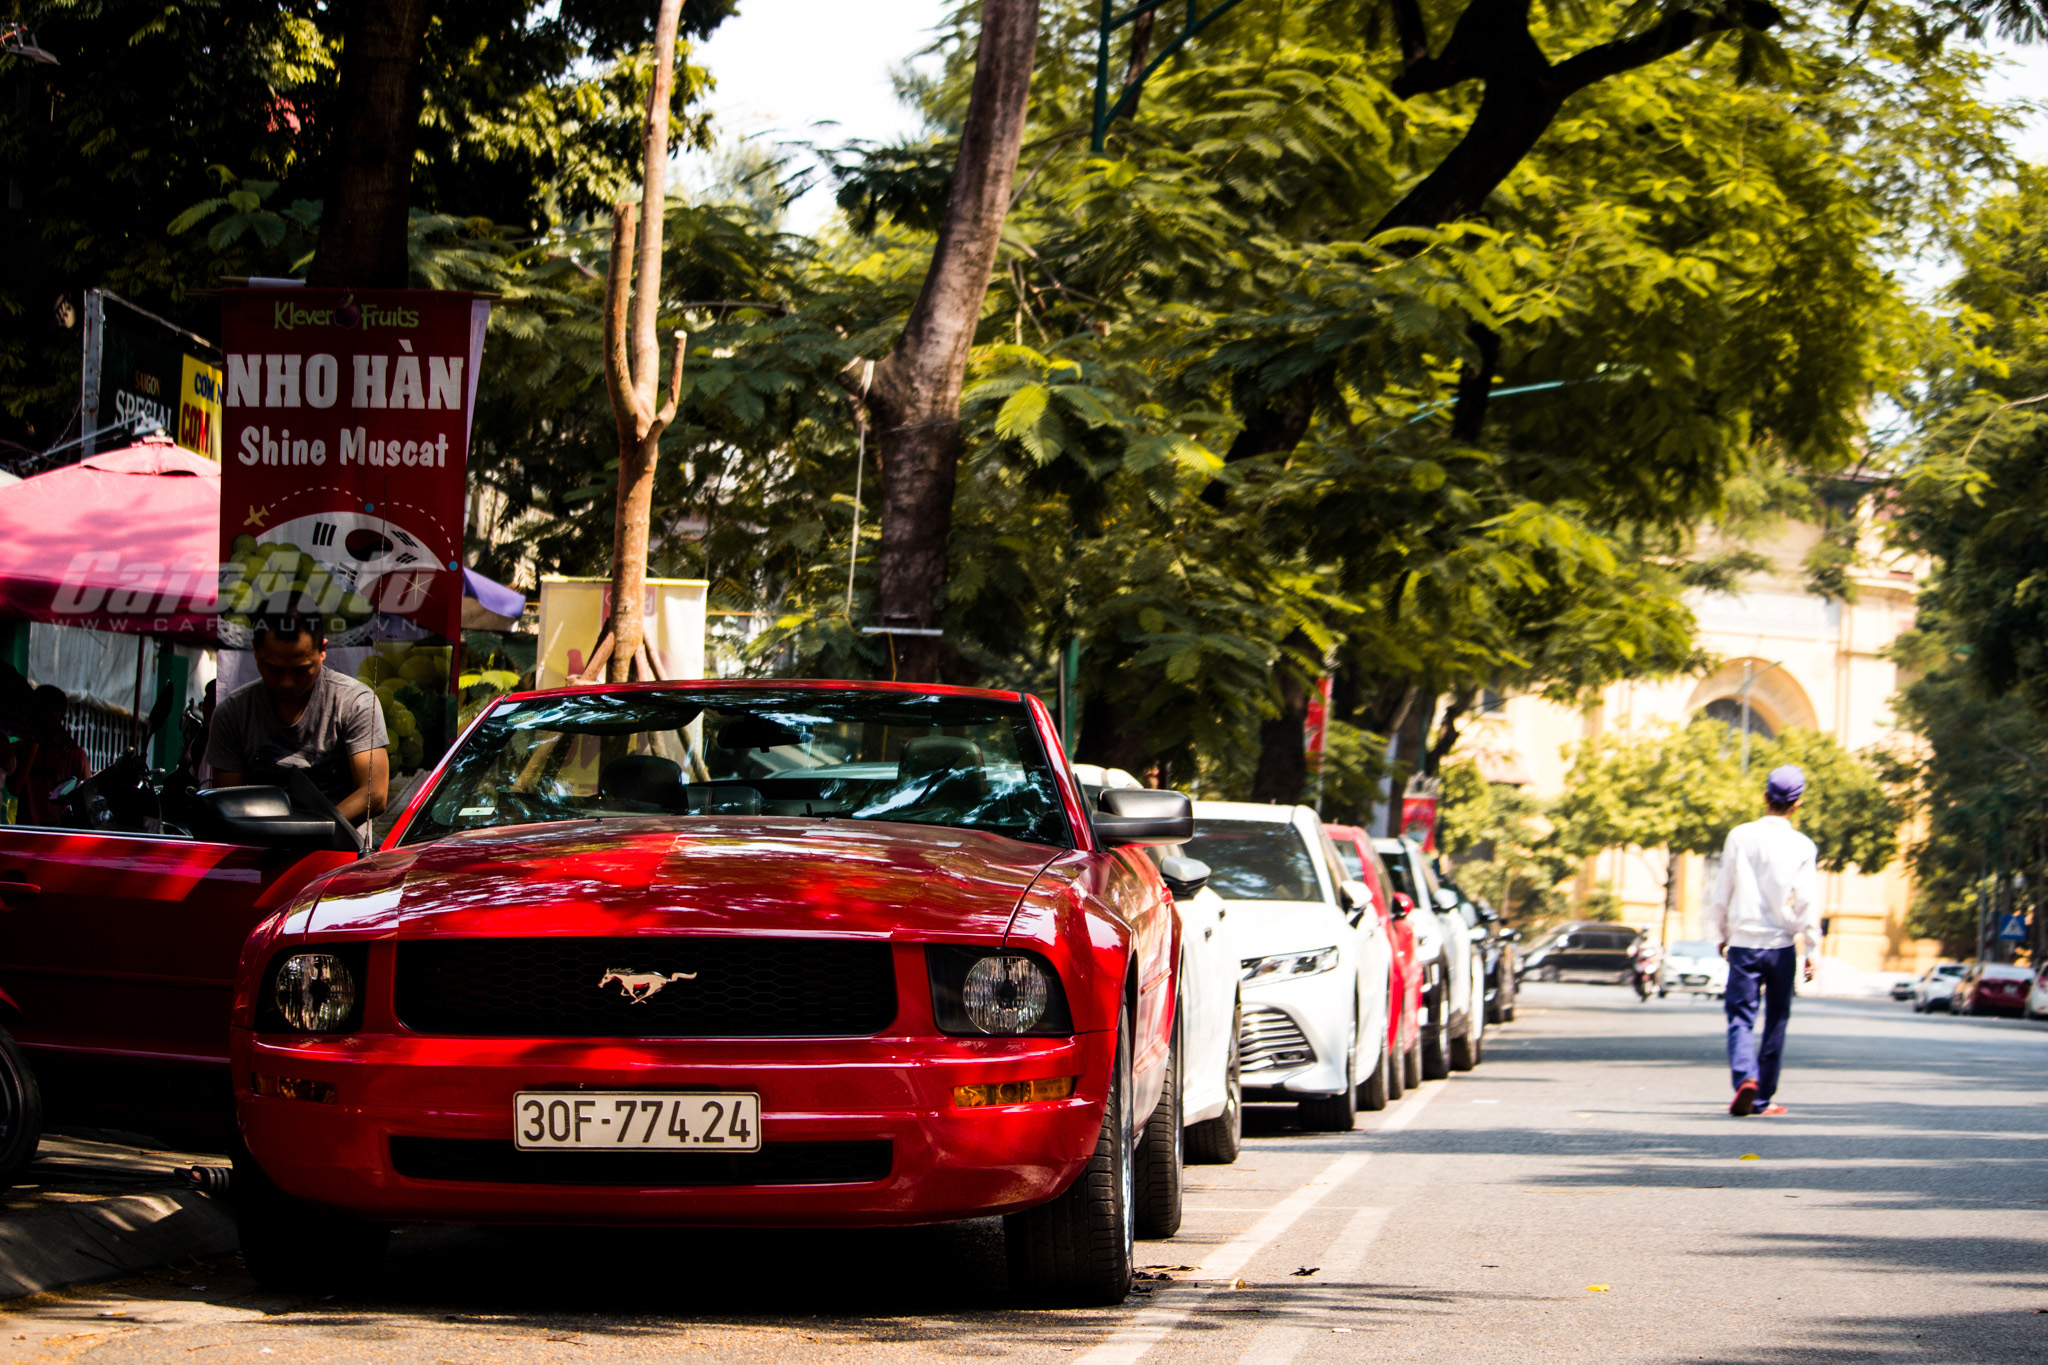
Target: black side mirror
[(1126, 815), (1403, 905), (265, 818), (1183, 876)]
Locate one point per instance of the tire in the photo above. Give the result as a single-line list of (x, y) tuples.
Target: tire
[(21, 1111), (1375, 1090), (290, 1245), (1468, 1052), (1436, 1055), (1157, 1177), (1076, 1250), (1217, 1141), (1397, 1072), (1336, 1113), (1411, 1064)]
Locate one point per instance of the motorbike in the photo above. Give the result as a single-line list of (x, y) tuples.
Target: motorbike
[(1644, 975)]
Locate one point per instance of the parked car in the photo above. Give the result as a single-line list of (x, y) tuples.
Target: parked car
[(2037, 996), (117, 960), (1312, 957), (1585, 950), (1993, 988), (1902, 989), (1695, 965), (1936, 988), (1404, 978), (729, 953), (1498, 948), (1212, 1095), (1454, 988)]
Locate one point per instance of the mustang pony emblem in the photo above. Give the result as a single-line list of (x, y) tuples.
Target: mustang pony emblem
[(641, 987)]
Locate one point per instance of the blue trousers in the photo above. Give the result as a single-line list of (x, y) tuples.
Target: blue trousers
[(1754, 973)]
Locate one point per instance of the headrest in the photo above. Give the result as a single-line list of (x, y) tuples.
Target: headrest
[(938, 754), (645, 778)]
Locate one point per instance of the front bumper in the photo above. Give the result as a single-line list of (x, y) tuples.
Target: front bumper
[(1322, 1009), (446, 1104)]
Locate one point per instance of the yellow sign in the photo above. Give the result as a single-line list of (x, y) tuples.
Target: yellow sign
[(573, 612), (199, 409)]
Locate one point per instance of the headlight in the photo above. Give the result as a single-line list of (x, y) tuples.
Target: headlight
[(1005, 994), (1285, 966), (975, 991), (315, 993)]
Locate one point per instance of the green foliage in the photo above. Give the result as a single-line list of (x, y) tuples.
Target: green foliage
[(1501, 847), (1683, 789)]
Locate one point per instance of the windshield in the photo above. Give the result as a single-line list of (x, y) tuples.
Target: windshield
[(1693, 947), (965, 762), (1255, 860), (1347, 854)]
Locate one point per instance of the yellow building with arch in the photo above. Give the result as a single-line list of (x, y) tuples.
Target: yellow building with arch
[(1798, 659)]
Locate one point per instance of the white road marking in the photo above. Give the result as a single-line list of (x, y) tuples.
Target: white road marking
[(1148, 1326)]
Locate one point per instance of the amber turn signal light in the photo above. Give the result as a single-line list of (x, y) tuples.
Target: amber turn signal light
[(292, 1088), (1012, 1092)]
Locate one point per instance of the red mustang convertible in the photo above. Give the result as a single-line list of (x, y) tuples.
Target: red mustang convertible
[(763, 953)]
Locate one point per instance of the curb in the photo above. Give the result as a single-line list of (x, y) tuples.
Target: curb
[(69, 1244)]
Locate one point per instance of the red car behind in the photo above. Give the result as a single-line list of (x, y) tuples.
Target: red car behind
[(1404, 979)]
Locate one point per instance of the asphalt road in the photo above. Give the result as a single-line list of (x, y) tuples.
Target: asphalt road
[(1583, 1195)]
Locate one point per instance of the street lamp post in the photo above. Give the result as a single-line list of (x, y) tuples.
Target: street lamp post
[(1750, 680)]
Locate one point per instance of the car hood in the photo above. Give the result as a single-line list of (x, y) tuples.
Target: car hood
[(718, 875), (1260, 928)]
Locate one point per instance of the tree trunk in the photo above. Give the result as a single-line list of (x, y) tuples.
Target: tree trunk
[(364, 228), (1282, 774), (633, 358), (916, 394)]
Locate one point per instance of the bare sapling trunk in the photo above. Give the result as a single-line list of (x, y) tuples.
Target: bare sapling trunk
[(915, 399), (632, 360)]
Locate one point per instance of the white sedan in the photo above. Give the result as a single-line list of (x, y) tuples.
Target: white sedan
[(1454, 981), (1212, 1098), (1936, 988), (1312, 962), (1694, 965)]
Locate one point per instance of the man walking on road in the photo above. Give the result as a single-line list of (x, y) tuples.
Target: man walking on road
[(1765, 914)]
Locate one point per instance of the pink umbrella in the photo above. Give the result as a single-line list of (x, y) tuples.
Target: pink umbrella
[(128, 540)]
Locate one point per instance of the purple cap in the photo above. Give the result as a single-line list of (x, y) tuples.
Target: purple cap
[(1784, 786)]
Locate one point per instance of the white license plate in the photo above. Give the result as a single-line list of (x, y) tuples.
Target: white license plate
[(635, 1121)]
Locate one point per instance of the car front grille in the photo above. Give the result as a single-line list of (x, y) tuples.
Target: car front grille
[(489, 1161), (1269, 1039), (687, 987)]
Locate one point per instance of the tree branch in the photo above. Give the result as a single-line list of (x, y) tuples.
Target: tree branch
[(675, 385), (618, 367), (1490, 37), (1675, 33), (1413, 32)]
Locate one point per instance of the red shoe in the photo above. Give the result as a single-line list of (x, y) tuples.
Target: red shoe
[(1745, 1100), (1769, 1111)]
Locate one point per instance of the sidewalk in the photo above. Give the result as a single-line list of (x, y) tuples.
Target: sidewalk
[(92, 1207)]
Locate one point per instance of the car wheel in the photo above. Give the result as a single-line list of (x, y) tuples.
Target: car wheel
[(21, 1111), (1550, 974), (1464, 1052), (1496, 1013), (1336, 1113), (1436, 1058), (288, 1244), (1377, 1090), (1077, 1249), (1157, 1181), (1217, 1141), (1397, 1073), (1411, 1064)]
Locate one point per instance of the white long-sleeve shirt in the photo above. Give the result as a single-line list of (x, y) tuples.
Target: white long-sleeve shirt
[(1768, 892)]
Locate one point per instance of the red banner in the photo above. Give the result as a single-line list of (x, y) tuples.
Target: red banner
[(1418, 820), (345, 441), (1315, 732)]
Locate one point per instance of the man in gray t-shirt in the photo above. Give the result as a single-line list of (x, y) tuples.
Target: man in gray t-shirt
[(300, 714)]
